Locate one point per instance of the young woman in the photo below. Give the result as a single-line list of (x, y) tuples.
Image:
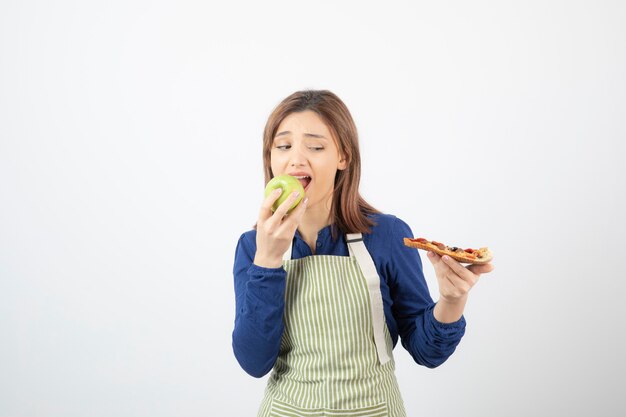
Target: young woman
[(323, 293)]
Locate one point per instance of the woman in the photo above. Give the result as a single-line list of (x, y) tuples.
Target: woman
[(323, 293)]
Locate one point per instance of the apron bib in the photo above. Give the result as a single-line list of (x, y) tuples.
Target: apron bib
[(335, 356)]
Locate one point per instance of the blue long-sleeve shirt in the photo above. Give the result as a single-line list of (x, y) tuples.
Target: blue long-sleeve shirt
[(260, 297)]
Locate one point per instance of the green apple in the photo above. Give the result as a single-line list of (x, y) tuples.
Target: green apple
[(288, 184)]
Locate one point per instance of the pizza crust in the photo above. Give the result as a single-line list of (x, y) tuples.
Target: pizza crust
[(486, 255)]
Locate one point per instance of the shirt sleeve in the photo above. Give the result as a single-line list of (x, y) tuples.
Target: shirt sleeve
[(259, 304), (429, 342)]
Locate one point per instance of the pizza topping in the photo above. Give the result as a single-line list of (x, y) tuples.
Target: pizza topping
[(468, 255), (439, 245)]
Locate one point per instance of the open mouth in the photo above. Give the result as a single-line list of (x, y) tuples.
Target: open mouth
[(304, 180)]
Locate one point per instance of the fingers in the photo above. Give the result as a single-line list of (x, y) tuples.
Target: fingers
[(448, 268), (282, 210), (291, 221), (445, 262), (458, 269), (456, 280), (441, 269), (298, 212), (280, 222), (434, 259), (266, 212), (275, 231), (481, 269), (266, 208)]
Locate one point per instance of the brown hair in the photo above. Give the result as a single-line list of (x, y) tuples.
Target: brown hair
[(349, 211)]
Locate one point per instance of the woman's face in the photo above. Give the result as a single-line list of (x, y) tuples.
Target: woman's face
[(304, 148)]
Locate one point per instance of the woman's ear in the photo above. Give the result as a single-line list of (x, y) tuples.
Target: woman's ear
[(343, 163)]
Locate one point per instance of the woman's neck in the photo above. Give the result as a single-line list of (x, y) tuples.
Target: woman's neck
[(315, 218)]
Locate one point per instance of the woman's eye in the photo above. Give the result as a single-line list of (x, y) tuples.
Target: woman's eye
[(317, 148), (283, 147)]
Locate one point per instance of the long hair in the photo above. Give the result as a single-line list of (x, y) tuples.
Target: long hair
[(349, 211)]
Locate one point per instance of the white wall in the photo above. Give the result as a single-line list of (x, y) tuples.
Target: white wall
[(130, 138)]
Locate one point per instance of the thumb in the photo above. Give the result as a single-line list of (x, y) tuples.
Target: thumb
[(292, 220), (299, 211), (434, 259)]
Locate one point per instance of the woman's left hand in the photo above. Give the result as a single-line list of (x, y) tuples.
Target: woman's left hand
[(455, 281)]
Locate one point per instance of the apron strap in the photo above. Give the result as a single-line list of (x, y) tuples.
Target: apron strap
[(357, 248)]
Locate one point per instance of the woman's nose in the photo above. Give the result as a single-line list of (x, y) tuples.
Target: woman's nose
[(297, 158)]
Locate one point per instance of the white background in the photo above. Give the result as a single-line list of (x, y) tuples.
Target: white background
[(130, 163)]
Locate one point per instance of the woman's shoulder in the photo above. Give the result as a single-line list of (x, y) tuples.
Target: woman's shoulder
[(385, 222), (388, 226), (386, 239)]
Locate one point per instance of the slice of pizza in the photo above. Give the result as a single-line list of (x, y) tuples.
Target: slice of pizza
[(468, 256)]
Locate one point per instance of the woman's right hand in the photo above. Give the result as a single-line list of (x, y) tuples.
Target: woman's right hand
[(275, 231)]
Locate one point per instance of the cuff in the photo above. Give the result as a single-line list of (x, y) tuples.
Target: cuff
[(256, 270), (448, 328)]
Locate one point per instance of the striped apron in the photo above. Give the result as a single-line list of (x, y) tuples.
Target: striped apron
[(335, 356)]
